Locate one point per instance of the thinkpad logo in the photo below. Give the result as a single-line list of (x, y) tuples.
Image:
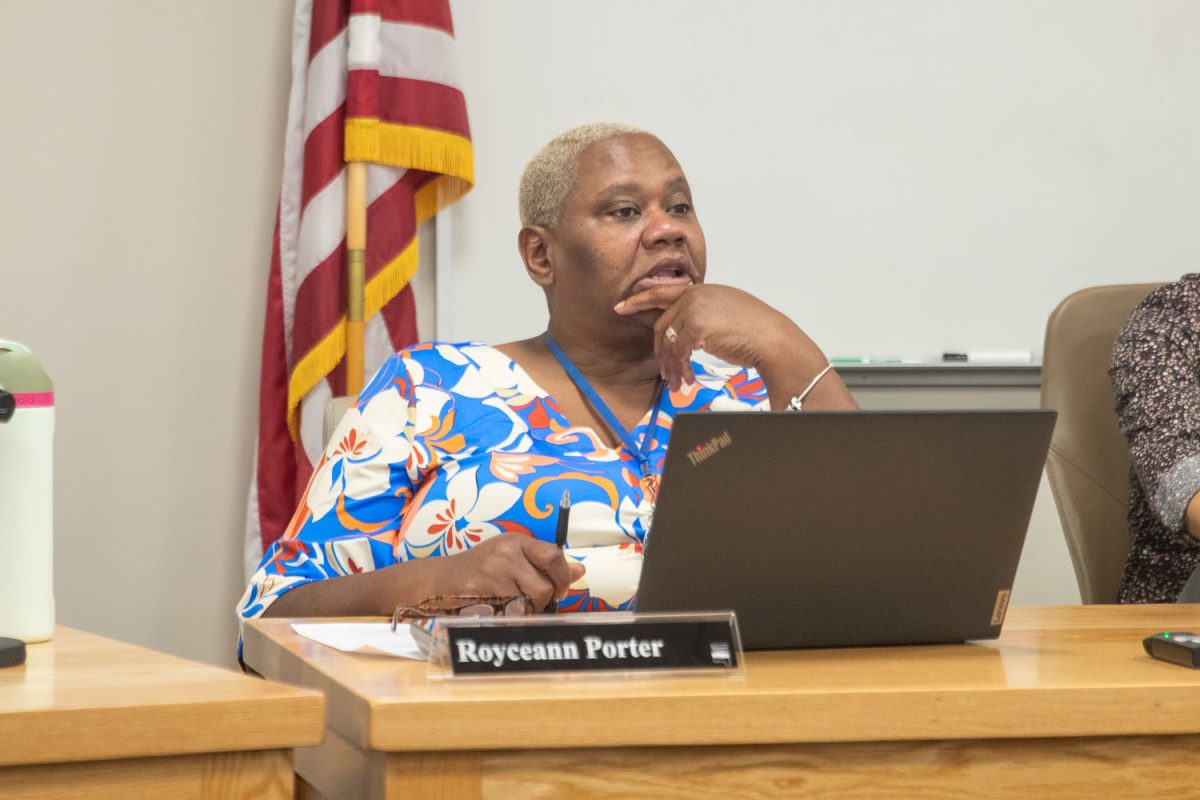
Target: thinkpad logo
[(705, 451)]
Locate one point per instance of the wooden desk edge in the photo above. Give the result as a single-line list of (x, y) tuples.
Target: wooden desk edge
[(730, 719), (343, 708), (273, 717)]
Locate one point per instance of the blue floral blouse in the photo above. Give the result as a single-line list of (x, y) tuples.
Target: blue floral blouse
[(453, 443)]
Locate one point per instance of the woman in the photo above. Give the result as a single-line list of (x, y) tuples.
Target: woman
[(464, 451), (1156, 379)]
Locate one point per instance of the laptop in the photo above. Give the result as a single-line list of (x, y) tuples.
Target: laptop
[(829, 529)]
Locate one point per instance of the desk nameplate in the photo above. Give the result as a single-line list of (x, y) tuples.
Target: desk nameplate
[(586, 643)]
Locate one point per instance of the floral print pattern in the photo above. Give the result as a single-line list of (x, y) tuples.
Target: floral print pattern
[(452, 444)]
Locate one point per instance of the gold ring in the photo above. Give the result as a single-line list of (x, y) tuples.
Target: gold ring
[(670, 334)]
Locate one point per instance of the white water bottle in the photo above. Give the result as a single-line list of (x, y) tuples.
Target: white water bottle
[(26, 496)]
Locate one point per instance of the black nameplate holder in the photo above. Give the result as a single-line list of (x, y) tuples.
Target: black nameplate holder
[(589, 643)]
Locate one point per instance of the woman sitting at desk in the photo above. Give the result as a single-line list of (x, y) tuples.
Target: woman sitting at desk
[(463, 451), (1156, 380)]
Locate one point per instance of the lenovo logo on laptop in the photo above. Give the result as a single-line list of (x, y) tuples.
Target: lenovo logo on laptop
[(1001, 607), (705, 451)]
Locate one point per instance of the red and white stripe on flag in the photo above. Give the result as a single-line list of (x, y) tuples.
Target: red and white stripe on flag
[(374, 81)]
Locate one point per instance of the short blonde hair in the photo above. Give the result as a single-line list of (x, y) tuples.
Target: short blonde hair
[(550, 174)]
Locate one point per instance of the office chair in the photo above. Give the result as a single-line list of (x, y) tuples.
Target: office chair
[(1088, 463), (335, 409)]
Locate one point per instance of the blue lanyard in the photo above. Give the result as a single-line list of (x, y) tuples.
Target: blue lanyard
[(642, 453)]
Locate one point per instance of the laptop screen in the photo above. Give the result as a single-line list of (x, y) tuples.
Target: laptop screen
[(845, 528)]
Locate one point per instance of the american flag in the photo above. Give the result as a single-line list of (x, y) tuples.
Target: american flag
[(375, 81)]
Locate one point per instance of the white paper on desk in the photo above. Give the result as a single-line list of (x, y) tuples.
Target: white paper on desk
[(366, 637)]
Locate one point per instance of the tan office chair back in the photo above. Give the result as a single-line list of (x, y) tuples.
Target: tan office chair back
[(335, 409), (1088, 464)]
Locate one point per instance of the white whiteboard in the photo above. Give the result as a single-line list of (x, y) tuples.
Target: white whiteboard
[(900, 177)]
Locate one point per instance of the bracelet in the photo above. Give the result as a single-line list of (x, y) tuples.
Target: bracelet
[(796, 403)]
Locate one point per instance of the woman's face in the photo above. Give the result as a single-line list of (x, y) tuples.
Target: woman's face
[(627, 225)]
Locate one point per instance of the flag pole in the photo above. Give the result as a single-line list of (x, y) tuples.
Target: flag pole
[(356, 259)]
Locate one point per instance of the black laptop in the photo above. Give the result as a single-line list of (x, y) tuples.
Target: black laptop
[(824, 529)]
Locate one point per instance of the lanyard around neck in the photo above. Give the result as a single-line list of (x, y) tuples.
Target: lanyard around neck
[(642, 453)]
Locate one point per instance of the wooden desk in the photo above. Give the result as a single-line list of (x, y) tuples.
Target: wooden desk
[(1065, 704), (87, 717)]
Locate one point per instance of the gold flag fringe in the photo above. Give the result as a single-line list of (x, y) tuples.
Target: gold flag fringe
[(410, 147), (450, 156)]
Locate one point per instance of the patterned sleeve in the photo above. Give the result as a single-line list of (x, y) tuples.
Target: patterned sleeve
[(1154, 374), (358, 492), (737, 388)]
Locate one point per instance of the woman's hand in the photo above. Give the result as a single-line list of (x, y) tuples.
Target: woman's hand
[(506, 565), (728, 323), (738, 328)]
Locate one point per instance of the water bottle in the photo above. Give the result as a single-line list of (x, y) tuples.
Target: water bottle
[(26, 496)]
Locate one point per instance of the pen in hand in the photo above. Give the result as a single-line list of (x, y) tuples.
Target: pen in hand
[(560, 537)]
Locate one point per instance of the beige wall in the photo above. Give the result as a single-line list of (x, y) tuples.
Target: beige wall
[(139, 168)]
